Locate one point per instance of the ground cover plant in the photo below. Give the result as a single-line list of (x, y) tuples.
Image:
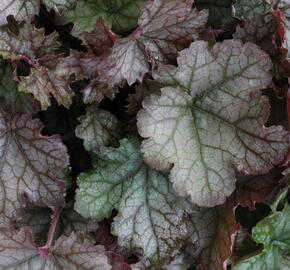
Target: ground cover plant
[(144, 135)]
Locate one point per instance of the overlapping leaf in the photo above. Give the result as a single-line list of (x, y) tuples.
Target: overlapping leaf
[(99, 129), (121, 15), (30, 43), (11, 100), (273, 233), (45, 80), (18, 251), (209, 121), (21, 10), (212, 229), (165, 27), (28, 164), (147, 216)]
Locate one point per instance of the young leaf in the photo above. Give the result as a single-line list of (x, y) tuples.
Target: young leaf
[(21, 10), (272, 232), (165, 27), (209, 120), (10, 99), (248, 9), (30, 43), (99, 129), (45, 80), (121, 15), (18, 251), (28, 164), (147, 216)]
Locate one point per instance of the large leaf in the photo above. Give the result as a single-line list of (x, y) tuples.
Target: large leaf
[(98, 129), (28, 166), (212, 229), (147, 217), (272, 232), (121, 15), (10, 99), (18, 251), (21, 10), (165, 27), (209, 120)]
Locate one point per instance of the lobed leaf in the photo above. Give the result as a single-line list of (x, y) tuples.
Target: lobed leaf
[(248, 9), (209, 120), (272, 231), (165, 27), (28, 164), (99, 129), (147, 216), (21, 10), (121, 15), (18, 251)]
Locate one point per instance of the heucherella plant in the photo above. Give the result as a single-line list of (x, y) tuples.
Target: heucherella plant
[(144, 134)]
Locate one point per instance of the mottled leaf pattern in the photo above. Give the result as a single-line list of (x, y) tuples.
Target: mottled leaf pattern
[(121, 15), (30, 43), (43, 81), (147, 217), (99, 129), (18, 251), (210, 119), (247, 9), (127, 61), (273, 233), (165, 27), (21, 10), (28, 164)]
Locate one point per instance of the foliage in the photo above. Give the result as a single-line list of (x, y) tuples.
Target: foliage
[(144, 135)]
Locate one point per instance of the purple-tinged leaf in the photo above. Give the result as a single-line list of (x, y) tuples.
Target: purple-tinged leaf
[(44, 80), (100, 40), (210, 120), (170, 25), (28, 162), (165, 27), (30, 44), (21, 10), (128, 61), (18, 251)]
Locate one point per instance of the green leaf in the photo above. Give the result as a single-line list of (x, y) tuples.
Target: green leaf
[(147, 216), (248, 9), (121, 15), (273, 231), (220, 12), (11, 100), (209, 120), (99, 129)]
